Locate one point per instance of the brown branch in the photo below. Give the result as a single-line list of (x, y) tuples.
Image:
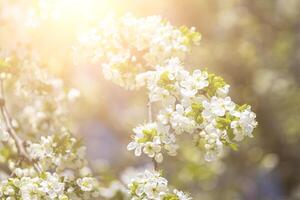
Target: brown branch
[(20, 144), (155, 164)]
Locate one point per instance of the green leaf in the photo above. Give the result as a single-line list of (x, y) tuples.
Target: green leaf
[(170, 197), (233, 146), (215, 82), (243, 107)]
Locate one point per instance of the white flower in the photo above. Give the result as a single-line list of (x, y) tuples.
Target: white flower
[(214, 107), (244, 125), (223, 92), (151, 186), (213, 146), (52, 186), (191, 84), (180, 123), (135, 146), (181, 195), (36, 151), (86, 184), (42, 149), (151, 139), (151, 148)]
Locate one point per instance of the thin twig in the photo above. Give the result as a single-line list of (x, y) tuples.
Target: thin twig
[(10, 129), (2, 89), (17, 164), (155, 164), (149, 112)]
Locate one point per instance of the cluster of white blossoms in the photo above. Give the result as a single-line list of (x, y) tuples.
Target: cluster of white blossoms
[(142, 183), (61, 153), (149, 185), (48, 186), (52, 166), (152, 139), (128, 46), (150, 52), (197, 104), (133, 53), (46, 99)]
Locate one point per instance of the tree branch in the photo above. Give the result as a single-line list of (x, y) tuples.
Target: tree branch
[(12, 132)]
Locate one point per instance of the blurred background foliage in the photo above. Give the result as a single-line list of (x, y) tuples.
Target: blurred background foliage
[(254, 45)]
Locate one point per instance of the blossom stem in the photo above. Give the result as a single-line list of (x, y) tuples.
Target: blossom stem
[(155, 164), (149, 112)]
